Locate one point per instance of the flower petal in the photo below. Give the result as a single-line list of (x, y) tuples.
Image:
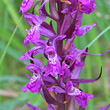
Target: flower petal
[(34, 85), (26, 5), (32, 107), (85, 53), (82, 99), (53, 66), (57, 89), (34, 50), (87, 6), (32, 36), (84, 29), (86, 80), (40, 46), (71, 90), (34, 19), (105, 108)]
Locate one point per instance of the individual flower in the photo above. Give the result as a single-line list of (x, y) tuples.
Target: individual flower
[(72, 60), (53, 66), (26, 5), (34, 21), (87, 6), (80, 97), (34, 85)]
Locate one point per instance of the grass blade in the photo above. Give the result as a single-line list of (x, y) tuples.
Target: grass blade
[(14, 15), (98, 37), (9, 42)]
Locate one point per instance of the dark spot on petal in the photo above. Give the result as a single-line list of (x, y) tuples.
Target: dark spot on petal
[(67, 62)]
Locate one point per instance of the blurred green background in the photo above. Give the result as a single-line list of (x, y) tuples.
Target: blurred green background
[(12, 70)]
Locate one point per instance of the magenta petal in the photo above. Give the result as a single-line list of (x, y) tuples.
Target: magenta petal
[(39, 48), (60, 37), (65, 70), (84, 29), (65, 11), (56, 89), (32, 107), (105, 108), (49, 79), (34, 85), (86, 80), (53, 69), (82, 99), (87, 6), (34, 50), (26, 5), (53, 66), (34, 68), (46, 32), (85, 1), (71, 90), (85, 53), (34, 20), (32, 36)]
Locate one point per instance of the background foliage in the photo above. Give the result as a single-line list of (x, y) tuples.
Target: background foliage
[(12, 71)]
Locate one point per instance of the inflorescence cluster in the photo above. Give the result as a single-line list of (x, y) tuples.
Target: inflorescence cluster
[(58, 81)]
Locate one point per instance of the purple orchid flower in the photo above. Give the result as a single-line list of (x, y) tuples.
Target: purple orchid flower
[(34, 85), (87, 6), (53, 67), (34, 21), (80, 97)]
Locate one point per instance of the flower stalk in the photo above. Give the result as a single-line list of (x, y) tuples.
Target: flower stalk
[(58, 81)]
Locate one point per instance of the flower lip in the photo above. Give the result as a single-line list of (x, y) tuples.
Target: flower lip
[(69, 60), (50, 50)]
